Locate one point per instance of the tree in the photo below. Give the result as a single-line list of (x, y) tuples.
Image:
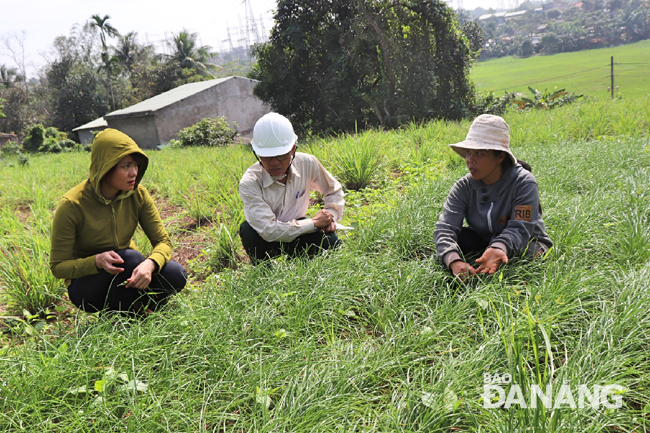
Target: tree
[(106, 30), (75, 90), (14, 44), (341, 64), (129, 53), (8, 76), (14, 100), (187, 53), (553, 14), (15, 109), (526, 48), (551, 43), (475, 35)]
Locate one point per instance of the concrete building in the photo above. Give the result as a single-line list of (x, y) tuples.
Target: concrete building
[(155, 121), (87, 132), (515, 14)]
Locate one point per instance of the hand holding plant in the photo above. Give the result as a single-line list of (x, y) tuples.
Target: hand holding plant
[(141, 276)]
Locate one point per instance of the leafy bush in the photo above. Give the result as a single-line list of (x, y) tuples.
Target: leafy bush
[(67, 144), (50, 145), (489, 103), (526, 48), (46, 140), (34, 138), (207, 132), (546, 99), (11, 148)]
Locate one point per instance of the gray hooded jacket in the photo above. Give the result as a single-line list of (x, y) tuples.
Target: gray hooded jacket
[(505, 214)]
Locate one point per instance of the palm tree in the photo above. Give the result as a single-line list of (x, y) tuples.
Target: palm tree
[(128, 52), (105, 29), (187, 53)]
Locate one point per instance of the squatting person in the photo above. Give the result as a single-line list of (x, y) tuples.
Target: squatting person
[(92, 234), (275, 192), (498, 199)]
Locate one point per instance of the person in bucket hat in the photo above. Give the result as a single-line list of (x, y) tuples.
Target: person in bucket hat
[(275, 192), (499, 201)]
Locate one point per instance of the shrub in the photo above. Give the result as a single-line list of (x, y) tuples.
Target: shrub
[(11, 148), (526, 48), (50, 145), (67, 144), (207, 132), (546, 99), (34, 138), (489, 103), (47, 140)]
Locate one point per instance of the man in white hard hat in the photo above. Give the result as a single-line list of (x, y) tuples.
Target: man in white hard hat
[(275, 192)]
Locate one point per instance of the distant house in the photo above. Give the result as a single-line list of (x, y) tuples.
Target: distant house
[(510, 15), (155, 121), (86, 132)]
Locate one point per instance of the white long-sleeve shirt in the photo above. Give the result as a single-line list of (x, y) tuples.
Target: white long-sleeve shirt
[(273, 209)]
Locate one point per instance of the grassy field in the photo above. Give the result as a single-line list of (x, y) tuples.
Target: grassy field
[(375, 336), (583, 72)]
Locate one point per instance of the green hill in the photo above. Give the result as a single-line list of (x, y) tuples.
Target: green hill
[(586, 72)]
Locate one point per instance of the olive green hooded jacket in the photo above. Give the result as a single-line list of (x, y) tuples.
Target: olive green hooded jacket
[(86, 224)]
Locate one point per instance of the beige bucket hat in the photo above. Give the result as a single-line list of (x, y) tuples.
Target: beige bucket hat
[(487, 132)]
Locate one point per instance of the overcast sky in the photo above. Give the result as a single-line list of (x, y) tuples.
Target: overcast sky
[(43, 20)]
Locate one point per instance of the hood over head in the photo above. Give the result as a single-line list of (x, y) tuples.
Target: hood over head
[(109, 147)]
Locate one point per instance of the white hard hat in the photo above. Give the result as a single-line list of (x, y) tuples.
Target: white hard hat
[(273, 135)]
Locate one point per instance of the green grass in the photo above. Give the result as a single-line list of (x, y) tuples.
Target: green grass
[(583, 72), (375, 336)]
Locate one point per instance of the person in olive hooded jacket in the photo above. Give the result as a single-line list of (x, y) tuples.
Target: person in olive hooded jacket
[(92, 234)]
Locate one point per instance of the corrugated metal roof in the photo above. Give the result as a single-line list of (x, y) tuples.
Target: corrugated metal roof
[(515, 14), (165, 99), (97, 123)]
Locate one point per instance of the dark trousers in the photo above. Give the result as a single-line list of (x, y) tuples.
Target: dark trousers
[(104, 291), (259, 249), (471, 244)]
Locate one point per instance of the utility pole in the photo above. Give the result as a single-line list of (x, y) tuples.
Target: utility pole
[(612, 75)]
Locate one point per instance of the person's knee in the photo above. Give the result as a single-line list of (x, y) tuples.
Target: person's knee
[(174, 275), (245, 228), (132, 258), (536, 250), (327, 242)]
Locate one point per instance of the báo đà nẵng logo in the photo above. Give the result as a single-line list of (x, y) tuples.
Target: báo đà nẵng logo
[(500, 392)]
